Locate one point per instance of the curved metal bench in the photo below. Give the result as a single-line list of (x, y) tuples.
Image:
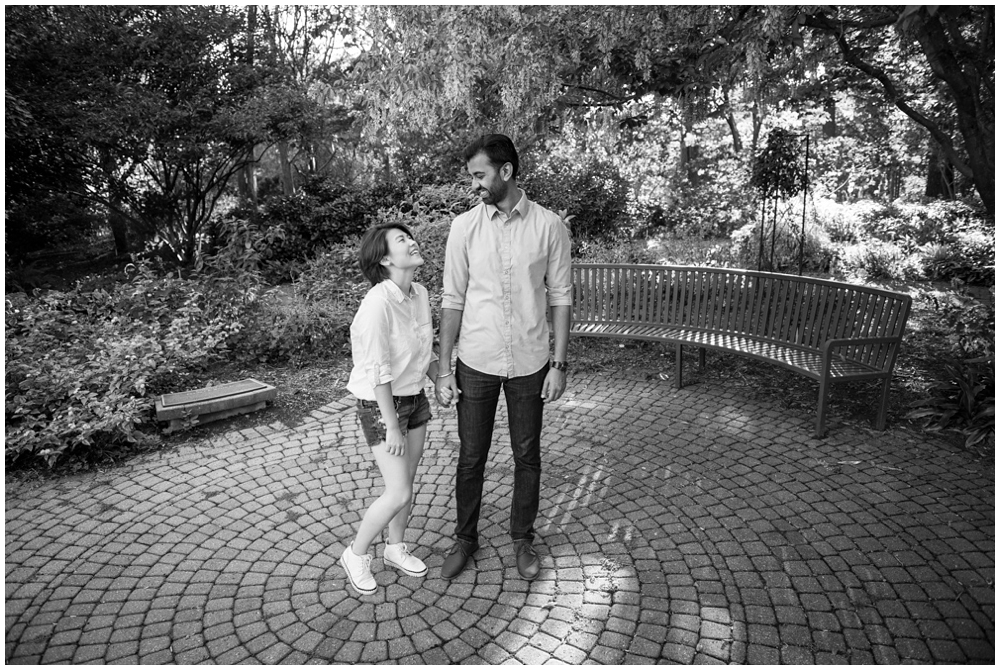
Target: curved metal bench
[(825, 330)]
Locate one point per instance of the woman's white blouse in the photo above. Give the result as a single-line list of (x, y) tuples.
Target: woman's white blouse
[(391, 341)]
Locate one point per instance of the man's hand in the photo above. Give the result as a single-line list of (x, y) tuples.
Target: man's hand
[(554, 385), (446, 390)]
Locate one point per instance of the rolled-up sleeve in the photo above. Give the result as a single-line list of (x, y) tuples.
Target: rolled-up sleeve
[(559, 276), (456, 267), (370, 340)]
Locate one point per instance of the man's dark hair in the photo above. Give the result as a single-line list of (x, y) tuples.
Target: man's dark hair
[(375, 247), (498, 149)]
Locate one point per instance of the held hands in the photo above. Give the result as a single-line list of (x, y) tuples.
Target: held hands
[(446, 389), (554, 385), (395, 443)]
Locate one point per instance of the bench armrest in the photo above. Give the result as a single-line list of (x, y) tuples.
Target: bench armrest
[(830, 345)]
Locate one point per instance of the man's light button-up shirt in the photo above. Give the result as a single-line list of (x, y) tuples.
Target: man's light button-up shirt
[(503, 273)]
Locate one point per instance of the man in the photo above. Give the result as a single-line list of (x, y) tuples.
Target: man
[(507, 259)]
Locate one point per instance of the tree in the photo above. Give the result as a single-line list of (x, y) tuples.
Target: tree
[(157, 109), (956, 51), (306, 48), (518, 66)]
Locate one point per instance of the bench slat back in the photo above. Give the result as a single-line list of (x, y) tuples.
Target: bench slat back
[(799, 311)]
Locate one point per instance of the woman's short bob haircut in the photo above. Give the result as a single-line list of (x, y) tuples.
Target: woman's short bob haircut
[(375, 247)]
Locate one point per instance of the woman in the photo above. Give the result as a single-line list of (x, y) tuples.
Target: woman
[(391, 343)]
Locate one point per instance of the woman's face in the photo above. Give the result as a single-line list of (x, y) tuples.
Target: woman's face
[(403, 252)]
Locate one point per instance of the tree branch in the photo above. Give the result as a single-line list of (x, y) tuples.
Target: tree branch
[(851, 57)]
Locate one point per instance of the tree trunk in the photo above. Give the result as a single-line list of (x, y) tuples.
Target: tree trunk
[(687, 152), (757, 122), (119, 230), (975, 120), (116, 221), (287, 183), (731, 122), (830, 126), (247, 179), (247, 182), (940, 174)]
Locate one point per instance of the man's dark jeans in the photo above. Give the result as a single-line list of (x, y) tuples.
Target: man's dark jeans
[(477, 407)]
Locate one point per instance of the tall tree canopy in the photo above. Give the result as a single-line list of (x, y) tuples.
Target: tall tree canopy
[(511, 67), (522, 68), (150, 110), (934, 63)]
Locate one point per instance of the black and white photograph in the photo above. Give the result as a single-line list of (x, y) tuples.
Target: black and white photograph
[(440, 334)]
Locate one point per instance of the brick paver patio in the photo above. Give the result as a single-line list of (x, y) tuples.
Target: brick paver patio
[(691, 526)]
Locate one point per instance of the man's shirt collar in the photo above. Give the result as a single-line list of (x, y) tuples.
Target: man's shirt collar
[(521, 207)]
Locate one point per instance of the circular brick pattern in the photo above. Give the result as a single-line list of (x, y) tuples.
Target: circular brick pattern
[(692, 526)]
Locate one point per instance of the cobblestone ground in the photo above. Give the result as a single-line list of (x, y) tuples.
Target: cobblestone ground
[(691, 526)]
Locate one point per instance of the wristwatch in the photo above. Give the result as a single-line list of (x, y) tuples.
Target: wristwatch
[(560, 365)]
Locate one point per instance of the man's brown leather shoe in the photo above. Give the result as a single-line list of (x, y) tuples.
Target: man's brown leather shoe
[(527, 560), (455, 561)]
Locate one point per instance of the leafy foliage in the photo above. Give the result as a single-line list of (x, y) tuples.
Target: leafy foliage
[(288, 230), (876, 260), (779, 170), (154, 108), (288, 326), (744, 250), (964, 399), (593, 192), (940, 240), (518, 63), (934, 63), (81, 366)]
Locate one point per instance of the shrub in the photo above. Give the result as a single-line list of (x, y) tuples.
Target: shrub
[(840, 221), (287, 326), (744, 250), (433, 202), (428, 212), (969, 259), (965, 399), (592, 191), (908, 224), (874, 260), (288, 230), (81, 367), (619, 250), (971, 323)]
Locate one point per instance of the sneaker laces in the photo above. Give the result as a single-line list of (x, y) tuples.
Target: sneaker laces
[(366, 562)]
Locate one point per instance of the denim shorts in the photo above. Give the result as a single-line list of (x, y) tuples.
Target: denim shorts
[(412, 411)]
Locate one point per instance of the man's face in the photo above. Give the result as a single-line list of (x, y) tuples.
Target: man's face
[(487, 182)]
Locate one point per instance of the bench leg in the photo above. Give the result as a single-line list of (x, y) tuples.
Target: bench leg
[(883, 405), (701, 358), (678, 382), (821, 407)]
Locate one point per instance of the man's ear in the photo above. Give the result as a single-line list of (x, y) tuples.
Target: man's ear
[(506, 171)]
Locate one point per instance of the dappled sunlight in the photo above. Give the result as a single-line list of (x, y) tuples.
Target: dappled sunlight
[(737, 420)]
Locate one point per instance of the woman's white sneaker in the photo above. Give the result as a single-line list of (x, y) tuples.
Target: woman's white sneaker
[(399, 557), (359, 571)]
